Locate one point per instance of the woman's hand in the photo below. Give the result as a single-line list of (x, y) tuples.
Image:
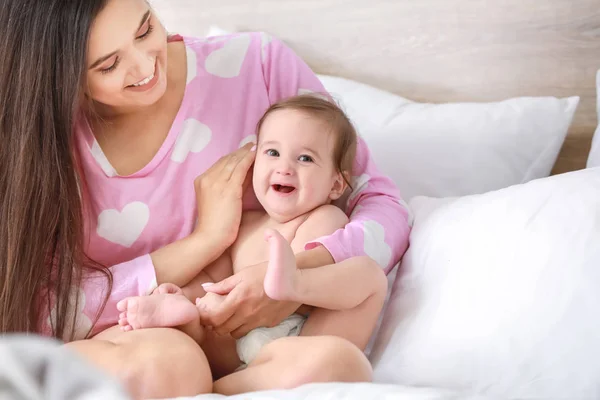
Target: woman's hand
[(219, 193), (246, 306)]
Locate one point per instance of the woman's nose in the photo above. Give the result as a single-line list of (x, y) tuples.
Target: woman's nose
[(144, 65)]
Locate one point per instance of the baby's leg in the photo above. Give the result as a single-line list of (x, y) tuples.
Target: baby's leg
[(171, 306), (349, 294), (215, 272), (168, 306), (161, 310), (290, 362), (340, 286), (156, 311), (355, 325)]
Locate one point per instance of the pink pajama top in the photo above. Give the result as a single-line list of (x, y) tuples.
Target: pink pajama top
[(231, 81)]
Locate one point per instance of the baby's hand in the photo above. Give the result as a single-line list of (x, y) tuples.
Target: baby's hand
[(210, 302)]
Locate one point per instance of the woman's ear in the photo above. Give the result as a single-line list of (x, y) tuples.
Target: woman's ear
[(339, 186)]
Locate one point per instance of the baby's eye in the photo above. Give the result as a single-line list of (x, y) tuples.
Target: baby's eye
[(305, 158), (272, 153)]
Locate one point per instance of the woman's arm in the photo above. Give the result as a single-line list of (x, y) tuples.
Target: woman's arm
[(379, 224), (219, 192), (180, 261)]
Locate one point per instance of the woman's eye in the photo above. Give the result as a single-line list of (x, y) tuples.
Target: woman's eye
[(148, 31), (272, 153), (112, 67), (305, 158)]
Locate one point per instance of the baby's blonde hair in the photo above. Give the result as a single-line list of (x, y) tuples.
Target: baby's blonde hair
[(323, 109)]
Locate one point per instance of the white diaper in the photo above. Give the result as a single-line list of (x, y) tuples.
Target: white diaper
[(248, 346)]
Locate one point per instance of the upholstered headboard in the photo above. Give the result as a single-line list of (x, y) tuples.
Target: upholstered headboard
[(432, 50)]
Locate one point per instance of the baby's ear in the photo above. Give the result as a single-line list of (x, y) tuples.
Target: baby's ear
[(339, 186)]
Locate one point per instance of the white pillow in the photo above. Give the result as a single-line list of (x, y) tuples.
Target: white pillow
[(500, 293), (594, 158), (456, 149)]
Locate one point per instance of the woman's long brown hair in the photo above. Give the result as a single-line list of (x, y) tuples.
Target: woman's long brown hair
[(43, 45)]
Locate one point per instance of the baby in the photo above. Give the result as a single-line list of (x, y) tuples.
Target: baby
[(305, 152)]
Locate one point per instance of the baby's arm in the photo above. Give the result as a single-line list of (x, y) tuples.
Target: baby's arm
[(321, 222), (340, 286)]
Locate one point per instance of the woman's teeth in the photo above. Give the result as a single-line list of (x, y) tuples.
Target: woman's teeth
[(144, 82)]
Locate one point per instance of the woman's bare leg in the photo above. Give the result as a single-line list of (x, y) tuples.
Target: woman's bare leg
[(356, 325), (293, 361), (172, 306), (150, 363)]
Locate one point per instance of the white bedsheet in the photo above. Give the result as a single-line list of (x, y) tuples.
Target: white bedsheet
[(36, 368), (347, 391)]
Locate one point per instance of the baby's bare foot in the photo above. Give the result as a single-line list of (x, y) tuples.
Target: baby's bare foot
[(156, 311), (280, 280)]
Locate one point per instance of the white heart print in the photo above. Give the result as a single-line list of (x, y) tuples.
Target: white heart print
[(194, 137), (123, 227), (374, 243), (411, 216), (227, 61)]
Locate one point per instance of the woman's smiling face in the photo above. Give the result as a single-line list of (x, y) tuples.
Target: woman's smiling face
[(127, 56)]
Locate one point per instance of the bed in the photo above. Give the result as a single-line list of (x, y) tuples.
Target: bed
[(432, 50), (521, 74)]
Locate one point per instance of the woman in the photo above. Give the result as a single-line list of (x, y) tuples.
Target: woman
[(109, 129)]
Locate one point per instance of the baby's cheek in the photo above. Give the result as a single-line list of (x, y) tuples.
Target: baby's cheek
[(319, 189), (259, 177), (308, 192)]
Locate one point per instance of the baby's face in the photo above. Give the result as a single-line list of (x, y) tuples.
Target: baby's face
[(294, 171)]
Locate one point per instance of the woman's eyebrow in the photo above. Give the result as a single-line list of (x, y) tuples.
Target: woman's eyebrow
[(106, 57)]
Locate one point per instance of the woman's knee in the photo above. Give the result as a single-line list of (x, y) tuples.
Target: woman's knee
[(324, 359), (170, 365), (338, 360), (154, 363)]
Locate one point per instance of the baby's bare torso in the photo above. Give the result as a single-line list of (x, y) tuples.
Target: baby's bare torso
[(251, 248)]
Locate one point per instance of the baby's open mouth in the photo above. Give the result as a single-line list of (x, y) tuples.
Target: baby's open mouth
[(283, 188)]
